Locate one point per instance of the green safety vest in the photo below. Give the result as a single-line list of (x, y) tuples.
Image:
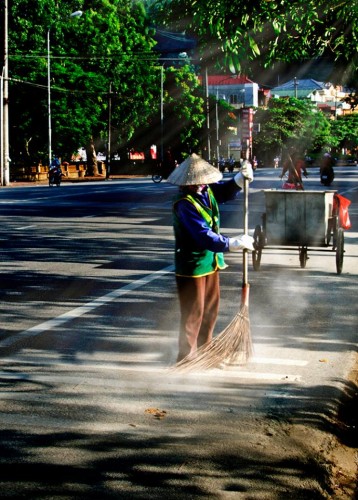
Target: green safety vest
[(192, 260)]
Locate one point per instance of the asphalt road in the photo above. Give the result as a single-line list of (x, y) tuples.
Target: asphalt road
[(88, 332)]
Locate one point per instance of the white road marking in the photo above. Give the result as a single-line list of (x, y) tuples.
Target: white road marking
[(24, 227), (278, 361), (90, 306), (237, 373)]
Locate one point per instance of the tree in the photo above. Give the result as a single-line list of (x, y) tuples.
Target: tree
[(251, 35), (183, 114), (291, 124), (184, 109), (111, 44), (345, 130)]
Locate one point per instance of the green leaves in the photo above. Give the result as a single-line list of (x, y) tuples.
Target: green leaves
[(237, 32), (291, 123), (111, 43)]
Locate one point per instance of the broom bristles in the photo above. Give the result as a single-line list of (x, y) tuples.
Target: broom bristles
[(232, 346)]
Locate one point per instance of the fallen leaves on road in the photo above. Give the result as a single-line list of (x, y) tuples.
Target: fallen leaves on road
[(159, 414)]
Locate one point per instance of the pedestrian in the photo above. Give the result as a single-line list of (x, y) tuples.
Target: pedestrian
[(294, 167), (199, 245)]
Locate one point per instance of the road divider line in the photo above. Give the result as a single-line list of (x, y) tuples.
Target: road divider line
[(81, 310)]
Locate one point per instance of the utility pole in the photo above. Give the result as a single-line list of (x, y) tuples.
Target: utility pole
[(161, 115), (2, 129), (295, 84), (108, 169), (49, 98), (5, 156), (207, 111), (217, 130)]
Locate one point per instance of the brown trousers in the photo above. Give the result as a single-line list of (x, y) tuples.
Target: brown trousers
[(199, 306)]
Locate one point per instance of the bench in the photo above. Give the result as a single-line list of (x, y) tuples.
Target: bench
[(69, 170)]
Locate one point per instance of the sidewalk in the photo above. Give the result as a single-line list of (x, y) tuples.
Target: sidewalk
[(72, 180)]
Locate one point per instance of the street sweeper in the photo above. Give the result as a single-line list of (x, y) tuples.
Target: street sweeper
[(199, 245)]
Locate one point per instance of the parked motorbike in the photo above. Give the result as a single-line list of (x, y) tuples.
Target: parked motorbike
[(55, 177)]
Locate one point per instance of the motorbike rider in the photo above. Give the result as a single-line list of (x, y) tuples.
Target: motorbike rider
[(326, 170), (55, 172)]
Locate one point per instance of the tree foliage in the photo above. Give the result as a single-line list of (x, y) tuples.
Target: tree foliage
[(109, 46), (345, 132), (291, 124), (108, 56), (184, 110), (256, 34), (104, 59)]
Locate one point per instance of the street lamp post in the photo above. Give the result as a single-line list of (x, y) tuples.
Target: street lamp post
[(5, 158), (77, 13), (49, 99)]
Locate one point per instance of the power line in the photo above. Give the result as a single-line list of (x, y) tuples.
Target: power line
[(57, 89), (141, 56)]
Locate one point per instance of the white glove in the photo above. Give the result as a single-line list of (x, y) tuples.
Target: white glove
[(245, 172), (244, 241)]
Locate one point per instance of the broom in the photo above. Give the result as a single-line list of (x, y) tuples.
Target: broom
[(233, 345)]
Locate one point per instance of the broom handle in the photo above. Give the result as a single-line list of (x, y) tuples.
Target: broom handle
[(246, 231)]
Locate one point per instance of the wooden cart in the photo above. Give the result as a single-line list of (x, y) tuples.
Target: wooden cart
[(299, 218)]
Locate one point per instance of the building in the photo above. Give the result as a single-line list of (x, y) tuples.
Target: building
[(243, 95), (329, 99), (237, 90), (301, 89)]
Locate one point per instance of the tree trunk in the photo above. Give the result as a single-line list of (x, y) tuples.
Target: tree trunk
[(92, 167)]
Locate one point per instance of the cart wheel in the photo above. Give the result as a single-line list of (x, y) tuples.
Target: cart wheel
[(259, 242), (157, 178), (335, 226), (329, 231), (339, 250), (303, 257)]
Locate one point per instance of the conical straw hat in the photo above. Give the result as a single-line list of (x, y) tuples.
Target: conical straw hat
[(194, 171)]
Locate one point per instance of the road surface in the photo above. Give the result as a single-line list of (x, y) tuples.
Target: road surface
[(89, 321)]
